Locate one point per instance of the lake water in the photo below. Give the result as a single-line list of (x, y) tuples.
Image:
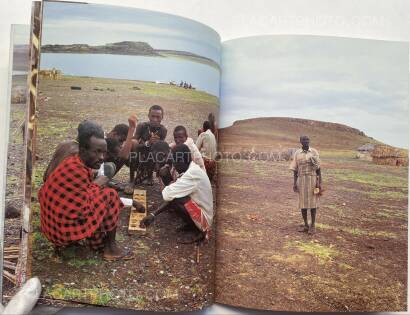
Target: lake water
[(163, 69)]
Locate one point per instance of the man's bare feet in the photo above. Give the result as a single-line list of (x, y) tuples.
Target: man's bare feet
[(185, 228), (200, 237), (195, 238)]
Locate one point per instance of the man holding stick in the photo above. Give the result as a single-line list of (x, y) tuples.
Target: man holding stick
[(190, 195)]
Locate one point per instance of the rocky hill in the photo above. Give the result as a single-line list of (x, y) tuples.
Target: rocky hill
[(127, 48), (280, 132)]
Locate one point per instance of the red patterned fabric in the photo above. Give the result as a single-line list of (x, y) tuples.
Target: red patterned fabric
[(210, 166), (196, 215), (72, 207)]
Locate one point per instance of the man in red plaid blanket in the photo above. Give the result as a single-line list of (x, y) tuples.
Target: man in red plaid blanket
[(75, 206)]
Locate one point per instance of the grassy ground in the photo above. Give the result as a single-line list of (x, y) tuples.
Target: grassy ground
[(357, 261), (164, 275), (15, 173), (110, 102)]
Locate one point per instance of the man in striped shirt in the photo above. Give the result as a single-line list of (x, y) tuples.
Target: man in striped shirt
[(307, 181)]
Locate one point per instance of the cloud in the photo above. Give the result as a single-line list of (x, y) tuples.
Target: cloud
[(67, 23), (71, 28), (361, 83)]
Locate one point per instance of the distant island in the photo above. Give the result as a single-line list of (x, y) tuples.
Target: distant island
[(127, 48)]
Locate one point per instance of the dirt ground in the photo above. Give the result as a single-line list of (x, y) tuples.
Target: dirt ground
[(15, 172), (357, 260), (164, 275)]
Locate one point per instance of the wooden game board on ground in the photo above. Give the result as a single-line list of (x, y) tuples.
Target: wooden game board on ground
[(135, 216)]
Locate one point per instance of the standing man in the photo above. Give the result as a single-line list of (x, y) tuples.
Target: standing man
[(306, 178), (213, 124), (206, 143)]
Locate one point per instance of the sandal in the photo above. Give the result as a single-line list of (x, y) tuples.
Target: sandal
[(304, 229), (312, 230), (127, 255)]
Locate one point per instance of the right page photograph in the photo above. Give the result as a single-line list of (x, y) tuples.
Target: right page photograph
[(313, 176)]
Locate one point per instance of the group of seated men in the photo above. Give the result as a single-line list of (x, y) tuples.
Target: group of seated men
[(79, 203), (148, 145)]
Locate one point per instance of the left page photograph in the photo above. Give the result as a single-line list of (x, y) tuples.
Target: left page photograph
[(123, 179)]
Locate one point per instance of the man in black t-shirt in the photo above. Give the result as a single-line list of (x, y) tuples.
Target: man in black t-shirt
[(146, 134)]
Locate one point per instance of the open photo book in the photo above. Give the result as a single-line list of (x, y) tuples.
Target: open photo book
[(152, 166)]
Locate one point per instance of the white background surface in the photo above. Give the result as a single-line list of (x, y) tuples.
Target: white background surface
[(376, 19)]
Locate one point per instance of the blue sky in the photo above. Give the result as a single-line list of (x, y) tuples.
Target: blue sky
[(68, 23), (357, 82)]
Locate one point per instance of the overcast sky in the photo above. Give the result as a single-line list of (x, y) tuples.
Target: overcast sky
[(20, 34), (361, 83), (68, 23)]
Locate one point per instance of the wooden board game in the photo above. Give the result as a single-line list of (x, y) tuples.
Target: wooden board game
[(135, 216)]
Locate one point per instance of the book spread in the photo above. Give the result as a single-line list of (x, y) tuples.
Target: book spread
[(153, 167)]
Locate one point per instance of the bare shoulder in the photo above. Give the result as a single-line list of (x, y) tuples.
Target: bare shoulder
[(70, 147)]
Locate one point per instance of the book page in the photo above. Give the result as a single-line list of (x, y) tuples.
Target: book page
[(15, 183), (313, 191), (127, 101)]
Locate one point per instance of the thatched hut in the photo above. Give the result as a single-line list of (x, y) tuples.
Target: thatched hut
[(364, 152), (387, 155)]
